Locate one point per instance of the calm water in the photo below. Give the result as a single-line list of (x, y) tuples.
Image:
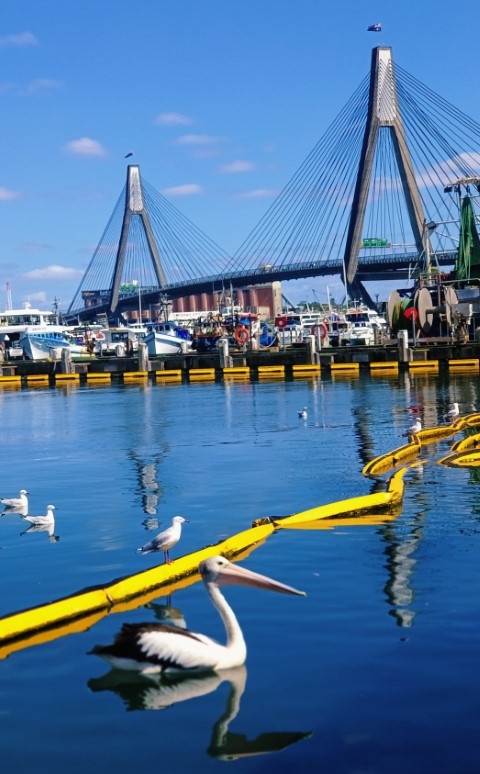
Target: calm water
[(375, 671)]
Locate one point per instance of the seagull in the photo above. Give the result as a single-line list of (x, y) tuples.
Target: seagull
[(452, 413), (302, 413), (415, 427), (165, 540), (150, 648), (42, 521), (16, 502)]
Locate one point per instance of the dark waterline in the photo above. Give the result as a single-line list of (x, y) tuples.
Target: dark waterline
[(374, 671)]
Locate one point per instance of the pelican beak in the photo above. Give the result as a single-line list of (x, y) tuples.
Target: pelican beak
[(233, 575)]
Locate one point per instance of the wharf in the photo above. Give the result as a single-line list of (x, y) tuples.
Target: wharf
[(297, 361)]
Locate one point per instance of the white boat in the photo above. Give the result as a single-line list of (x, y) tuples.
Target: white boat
[(366, 327), (14, 323), (167, 338), (43, 342)]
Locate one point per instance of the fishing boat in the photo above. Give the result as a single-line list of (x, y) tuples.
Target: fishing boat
[(365, 327), (15, 322), (41, 343), (167, 338)]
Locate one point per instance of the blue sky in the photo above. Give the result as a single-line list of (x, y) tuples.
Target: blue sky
[(220, 101)]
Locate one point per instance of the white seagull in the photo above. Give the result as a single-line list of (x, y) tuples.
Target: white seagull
[(303, 413), (165, 540), (42, 521), (16, 502), (153, 647), (452, 413), (415, 427)]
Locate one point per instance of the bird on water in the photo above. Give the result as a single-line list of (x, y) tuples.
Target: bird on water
[(154, 647), (42, 521), (16, 502), (165, 540), (453, 413), (302, 413)]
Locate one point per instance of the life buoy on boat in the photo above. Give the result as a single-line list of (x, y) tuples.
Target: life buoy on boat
[(323, 330), (100, 336), (241, 335)]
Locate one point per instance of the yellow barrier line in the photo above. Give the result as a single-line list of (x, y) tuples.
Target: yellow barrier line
[(344, 367), (354, 505), (423, 365), (313, 367), (388, 365), (464, 459), (67, 377), (201, 373), (135, 375), (33, 378), (464, 364), (106, 598), (470, 442), (392, 459), (10, 379), (99, 377), (172, 373)]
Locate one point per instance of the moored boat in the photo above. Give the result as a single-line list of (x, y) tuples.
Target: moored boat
[(167, 338)]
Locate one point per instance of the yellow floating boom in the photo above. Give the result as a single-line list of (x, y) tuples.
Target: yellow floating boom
[(103, 599), (470, 442), (392, 459), (464, 459), (379, 501)]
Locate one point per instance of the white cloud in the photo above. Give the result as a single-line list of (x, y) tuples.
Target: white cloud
[(7, 195), (173, 119), (22, 39), (238, 166), (188, 189), (40, 296), (85, 146), (41, 85), (198, 139), (53, 272), (259, 193)]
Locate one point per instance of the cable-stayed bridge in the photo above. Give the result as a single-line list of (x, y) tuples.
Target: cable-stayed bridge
[(378, 193)]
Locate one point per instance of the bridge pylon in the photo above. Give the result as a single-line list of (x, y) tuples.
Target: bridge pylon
[(134, 205), (383, 112)]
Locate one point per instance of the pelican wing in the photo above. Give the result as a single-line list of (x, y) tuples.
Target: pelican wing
[(163, 646)]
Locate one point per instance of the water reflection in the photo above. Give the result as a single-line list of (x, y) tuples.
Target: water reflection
[(149, 487), (400, 564), (158, 692), (48, 528)]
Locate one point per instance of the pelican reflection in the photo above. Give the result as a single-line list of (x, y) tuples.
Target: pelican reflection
[(160, 691)]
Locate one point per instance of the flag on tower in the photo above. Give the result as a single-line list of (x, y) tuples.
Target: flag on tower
[(375, 28)]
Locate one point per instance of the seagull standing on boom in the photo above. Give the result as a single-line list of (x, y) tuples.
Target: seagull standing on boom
[(153, 647), (165, 540), (415, 427), (452, 413)]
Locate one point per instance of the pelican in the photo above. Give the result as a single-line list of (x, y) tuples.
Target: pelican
[(302, 413), (153, 647), (16, 502), (165, 540), (415, 427), (452, 413), (42, 521)]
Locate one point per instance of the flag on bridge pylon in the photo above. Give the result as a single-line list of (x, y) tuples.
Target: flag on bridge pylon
[(375, 28)]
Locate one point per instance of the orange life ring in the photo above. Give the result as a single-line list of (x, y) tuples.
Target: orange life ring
[(99, 336), (241, 335), (323, 330)]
